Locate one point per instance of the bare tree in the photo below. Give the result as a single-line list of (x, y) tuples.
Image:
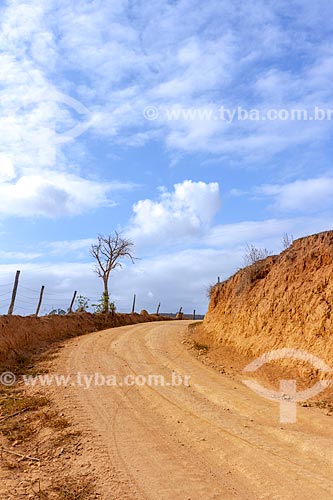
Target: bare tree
[(108, 252), (287, 240), (254, 254)]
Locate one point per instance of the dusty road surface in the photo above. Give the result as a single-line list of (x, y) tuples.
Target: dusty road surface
[(214, 439)]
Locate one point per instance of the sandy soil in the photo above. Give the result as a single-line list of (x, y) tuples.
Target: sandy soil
[(212, 440)]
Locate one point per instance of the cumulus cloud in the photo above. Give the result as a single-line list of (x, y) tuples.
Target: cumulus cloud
[(185, 212), (185, 216)]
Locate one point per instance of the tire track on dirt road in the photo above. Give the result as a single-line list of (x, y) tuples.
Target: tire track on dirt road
[(213, 440)]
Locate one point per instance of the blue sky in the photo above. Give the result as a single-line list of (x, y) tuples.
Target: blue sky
[(78, 155)]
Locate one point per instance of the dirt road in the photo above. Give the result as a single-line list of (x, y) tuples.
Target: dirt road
[(212, 440)]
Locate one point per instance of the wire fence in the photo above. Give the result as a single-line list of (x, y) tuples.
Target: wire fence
[(22, 300), (26, 300)]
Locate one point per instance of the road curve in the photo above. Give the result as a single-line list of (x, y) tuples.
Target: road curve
[(211, 440)]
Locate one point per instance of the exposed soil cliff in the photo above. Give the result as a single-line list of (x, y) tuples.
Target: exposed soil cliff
[(282, 301)]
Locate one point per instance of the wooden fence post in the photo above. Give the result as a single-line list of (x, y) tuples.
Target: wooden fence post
[(179, 314), (12, 302), (40, 300), (133, 307), (70, 310), (158, 309)]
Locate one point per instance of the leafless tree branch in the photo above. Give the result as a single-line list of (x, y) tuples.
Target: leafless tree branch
[(108, 253)]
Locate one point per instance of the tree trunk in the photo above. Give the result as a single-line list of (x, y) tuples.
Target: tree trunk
[(106, 296)]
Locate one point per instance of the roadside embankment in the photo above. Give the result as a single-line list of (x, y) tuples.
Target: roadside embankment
[(23, 336)]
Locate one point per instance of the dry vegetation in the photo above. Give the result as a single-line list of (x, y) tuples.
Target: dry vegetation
[(22, 336), (38, 447)]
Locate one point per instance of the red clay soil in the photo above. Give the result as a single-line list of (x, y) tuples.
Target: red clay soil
[(284, 301), (23, 336)]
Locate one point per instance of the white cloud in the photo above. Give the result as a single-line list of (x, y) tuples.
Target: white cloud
[(37, 177), (185, 212), (62, 247), (185, 216), (127, 57), (264, 233), (23, 256), (60, 280), (7, 171), (54, 194), (175, 279), (310, 195)]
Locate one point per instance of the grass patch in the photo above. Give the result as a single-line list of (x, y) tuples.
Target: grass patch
[(12, 401), (66, 438), (20, 427), (194, 326), (200, 347), (74, 488), (10, 464), (17, 430), (323, 405), (38, 492), (53, 420), (71, 488), (21, 363)]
